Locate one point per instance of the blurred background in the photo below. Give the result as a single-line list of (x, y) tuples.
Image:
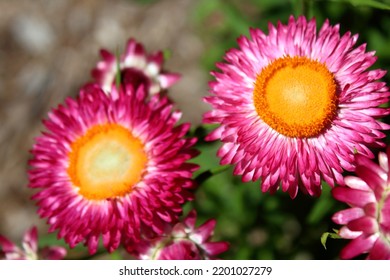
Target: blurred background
[(48, 47)]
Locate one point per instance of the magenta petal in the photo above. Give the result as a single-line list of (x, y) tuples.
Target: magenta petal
[(356, 183), (30, 239), (345, 216), (190, 220), (346, 233), (360, 245), (216, 248), (6, 245), (383, 161), (167, 80), (385, 215), (353, 197), (183, 250), (374, 180), (367, 163), (368, 225), (53, 253), (380, 250), (204, 232)]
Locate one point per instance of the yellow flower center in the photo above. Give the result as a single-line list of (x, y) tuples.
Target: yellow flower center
[(106, 162), (296, 96)]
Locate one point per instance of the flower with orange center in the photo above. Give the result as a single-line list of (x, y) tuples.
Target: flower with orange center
[(293, 106), (112, 167)]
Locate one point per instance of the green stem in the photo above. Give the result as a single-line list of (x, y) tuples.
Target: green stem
[(202, 177), (118, 70)]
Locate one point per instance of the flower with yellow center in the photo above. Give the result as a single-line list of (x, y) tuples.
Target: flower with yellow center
[(294, 106), (112, 167)]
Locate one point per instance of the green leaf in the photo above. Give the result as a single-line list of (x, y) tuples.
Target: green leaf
[(118, 70), (324, 205), (326, 235)]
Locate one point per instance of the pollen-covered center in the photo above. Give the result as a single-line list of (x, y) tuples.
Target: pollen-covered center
[(296, 96), (106, 162)]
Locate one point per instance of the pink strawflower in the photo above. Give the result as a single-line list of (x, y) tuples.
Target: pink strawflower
[(137, 68), (293, 106), (29, 250), (184, 241), (367, 222), (112, 166)]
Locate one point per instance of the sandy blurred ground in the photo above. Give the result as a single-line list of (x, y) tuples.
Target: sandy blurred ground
[(47, 49)]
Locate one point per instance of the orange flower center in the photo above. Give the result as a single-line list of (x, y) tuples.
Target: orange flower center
[(106, 162), (296, 96)]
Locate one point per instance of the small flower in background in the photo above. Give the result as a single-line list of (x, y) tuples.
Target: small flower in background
[(184, 241), (29, 250), (112, 166), (294, 105), (137, 68), (367, 222)]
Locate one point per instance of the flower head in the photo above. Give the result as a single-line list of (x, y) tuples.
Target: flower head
[(29, 249), (136, 67), (184, 241), (294, 105), (367, 222), (112, 166)]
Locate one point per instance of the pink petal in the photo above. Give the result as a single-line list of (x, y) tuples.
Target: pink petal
[(346, 233), (215, 248), (356, 183), (356, 198), (190, 220), (30, 239), (358, 246), (204, 232), (7, 245), (368, 225), (345, 216), (53, 253), (380, 250), (168, 79)]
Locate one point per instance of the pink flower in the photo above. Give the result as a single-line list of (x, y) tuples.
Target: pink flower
[(137, 68), (29, 249), (184, 241), (112, 166), (367, 222), (293, 106)]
